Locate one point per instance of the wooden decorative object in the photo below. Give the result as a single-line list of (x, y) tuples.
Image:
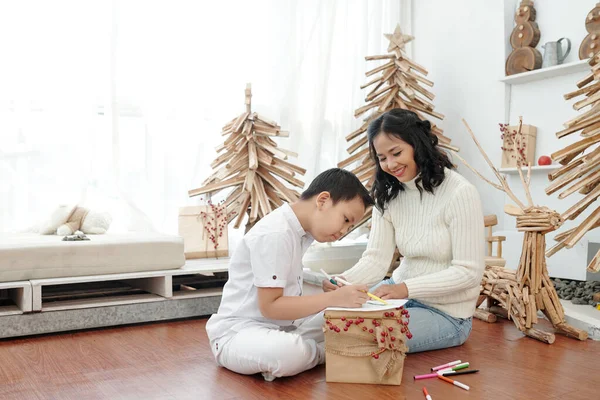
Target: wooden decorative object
[(591, 43), (204, 231), (399, 83), (581, 160), (518, 145), (523, 59), (523, 39), (489, 221), (525, 34), (250, 163), (528, 289)]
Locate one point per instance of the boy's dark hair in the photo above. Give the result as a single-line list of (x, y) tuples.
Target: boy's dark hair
[(342, 185)]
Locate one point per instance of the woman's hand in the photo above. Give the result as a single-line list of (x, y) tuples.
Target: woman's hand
[(328, 286), (399, 291)]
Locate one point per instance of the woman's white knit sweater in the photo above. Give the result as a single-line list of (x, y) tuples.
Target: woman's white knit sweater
[(441, 237)]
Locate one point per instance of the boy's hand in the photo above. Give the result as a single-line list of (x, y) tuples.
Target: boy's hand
[(350, 296), (399, 291), (328, 286)]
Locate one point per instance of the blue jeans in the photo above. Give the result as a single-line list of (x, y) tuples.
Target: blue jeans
[(431, 328)]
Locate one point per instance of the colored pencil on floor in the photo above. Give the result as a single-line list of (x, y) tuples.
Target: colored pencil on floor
[(455, 368), (426, 376), (452, 373), (448, 365), (427, 396), (455, 383)]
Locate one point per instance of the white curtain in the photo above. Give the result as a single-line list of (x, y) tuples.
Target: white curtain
[(119, 106)]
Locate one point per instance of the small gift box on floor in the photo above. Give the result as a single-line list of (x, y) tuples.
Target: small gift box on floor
[(204, 231), (366, 346)]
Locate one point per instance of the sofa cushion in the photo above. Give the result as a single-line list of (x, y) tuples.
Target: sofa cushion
[(33, 256)]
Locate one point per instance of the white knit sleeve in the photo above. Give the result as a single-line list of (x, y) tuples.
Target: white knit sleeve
[(464, 218), (376, 259)]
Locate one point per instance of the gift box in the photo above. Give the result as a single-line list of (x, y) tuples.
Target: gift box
[(204, 231), (515, 147), (366, 347)]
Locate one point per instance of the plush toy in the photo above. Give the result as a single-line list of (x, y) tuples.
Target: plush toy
[(67, 219)]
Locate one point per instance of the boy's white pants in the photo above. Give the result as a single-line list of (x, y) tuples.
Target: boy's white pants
[(265, 348)]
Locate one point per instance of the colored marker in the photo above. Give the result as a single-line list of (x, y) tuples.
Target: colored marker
[(329, 277), (450, 364), (455, 368), (455, 383), (427, 396), (343, 281), (371, 295), (426, 376), (451, 373)]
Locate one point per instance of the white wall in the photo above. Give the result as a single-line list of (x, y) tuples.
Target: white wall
[(464, 45), (461, 44)]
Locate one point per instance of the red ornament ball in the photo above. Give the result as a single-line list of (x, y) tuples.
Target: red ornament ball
[(544, 160)]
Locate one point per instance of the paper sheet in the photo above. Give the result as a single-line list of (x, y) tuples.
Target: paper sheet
[(372, 305)]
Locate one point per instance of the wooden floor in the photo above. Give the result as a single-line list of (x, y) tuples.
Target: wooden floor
[(173, 361)]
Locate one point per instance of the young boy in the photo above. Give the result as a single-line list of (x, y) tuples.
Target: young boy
[(259, 326)]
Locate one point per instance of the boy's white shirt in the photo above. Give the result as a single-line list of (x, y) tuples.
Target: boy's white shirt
[(269, 255)]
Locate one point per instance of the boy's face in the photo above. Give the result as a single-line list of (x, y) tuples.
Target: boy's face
[(332, 221)]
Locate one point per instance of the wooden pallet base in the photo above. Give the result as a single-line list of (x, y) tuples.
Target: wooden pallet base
[(193, 280), (63, 304), (15, 298)]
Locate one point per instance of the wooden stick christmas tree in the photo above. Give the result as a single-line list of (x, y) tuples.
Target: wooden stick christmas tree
[(399, 83), (252, 164), (523, 292), (580, 171)]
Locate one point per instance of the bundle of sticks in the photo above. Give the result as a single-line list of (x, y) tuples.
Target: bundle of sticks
[(580, 170), (518, 296), (538, 219), (254, 166)]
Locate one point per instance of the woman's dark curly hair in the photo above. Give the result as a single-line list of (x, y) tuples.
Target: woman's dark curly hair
[(430, 160)]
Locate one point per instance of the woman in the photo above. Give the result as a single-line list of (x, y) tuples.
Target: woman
[(433, 215)]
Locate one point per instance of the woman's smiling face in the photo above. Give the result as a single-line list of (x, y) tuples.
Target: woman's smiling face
[(395, 156)]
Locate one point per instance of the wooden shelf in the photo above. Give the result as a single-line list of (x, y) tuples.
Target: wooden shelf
[(536, 168), (101, 302), (10, 310), (545, 73)]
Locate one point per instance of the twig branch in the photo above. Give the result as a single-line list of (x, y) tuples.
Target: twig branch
[(505, 187), (520, 164), (525, 183), (476, 172)]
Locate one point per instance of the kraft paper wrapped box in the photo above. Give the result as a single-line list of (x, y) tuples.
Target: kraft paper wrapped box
[(525, 146), (366, 346), (204, 231)]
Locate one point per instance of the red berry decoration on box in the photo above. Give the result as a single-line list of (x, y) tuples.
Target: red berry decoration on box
[(216, 222), (382, 335)]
